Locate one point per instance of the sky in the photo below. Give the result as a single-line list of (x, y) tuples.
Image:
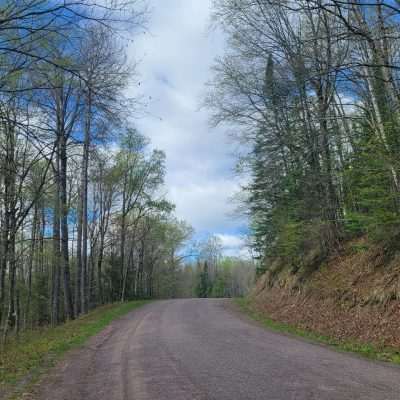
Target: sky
[(175, 57)]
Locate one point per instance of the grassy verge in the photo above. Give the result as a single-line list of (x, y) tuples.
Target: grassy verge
[(368, 350), (25, 358)]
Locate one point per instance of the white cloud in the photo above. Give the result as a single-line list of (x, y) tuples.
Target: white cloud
[(206, 206), (176, 57), (234, 245), (231, 241)]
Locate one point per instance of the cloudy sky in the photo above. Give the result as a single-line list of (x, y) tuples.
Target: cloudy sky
[(175, 58)]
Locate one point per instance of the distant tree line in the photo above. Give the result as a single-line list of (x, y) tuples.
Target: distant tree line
[(83, 221), (210, 273), (312, 89), (234, 277)]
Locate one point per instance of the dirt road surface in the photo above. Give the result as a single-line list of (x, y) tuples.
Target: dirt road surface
[(200, 349)]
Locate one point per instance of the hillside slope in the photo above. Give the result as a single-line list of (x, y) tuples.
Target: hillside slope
[(353, 295)]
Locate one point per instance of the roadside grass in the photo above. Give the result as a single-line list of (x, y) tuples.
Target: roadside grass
[(33, 352), (367, 350)]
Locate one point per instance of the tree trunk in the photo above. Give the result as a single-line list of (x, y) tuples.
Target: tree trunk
[(55, 295), (84, 199), (4, 262), (122, 243), (99, 270), (10, 210), (78, 273), (28, 318), (68, 304)]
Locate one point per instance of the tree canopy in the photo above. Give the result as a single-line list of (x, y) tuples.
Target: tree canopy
[(313, 88)]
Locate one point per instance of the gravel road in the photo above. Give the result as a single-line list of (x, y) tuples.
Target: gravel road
[(200, 349)]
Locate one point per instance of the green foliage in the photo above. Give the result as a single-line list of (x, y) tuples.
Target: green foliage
[(220, 286), (204, 287), (290, 237), (321, 153), (169, 236), (230, 277), (372, 202)]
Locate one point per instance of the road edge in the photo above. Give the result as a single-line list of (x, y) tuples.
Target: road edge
[(23, 386), (381, 355)]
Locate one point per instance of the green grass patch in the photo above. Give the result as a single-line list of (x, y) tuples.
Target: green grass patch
[(26, 357), (368, 350)]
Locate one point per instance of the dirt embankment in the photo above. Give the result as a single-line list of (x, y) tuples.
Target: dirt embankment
[(354, 295)]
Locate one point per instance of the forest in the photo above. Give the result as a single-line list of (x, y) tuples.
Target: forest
[(199, 199), (78, 183), (210, 273), (84, 216), (310, 90)]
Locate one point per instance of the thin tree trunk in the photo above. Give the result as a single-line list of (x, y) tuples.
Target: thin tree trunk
[(55, 295), (122, 243), (84, 199), (10, 209), (4, 262), (68, 303), (78, 274), (99, 270), (28, 319)]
